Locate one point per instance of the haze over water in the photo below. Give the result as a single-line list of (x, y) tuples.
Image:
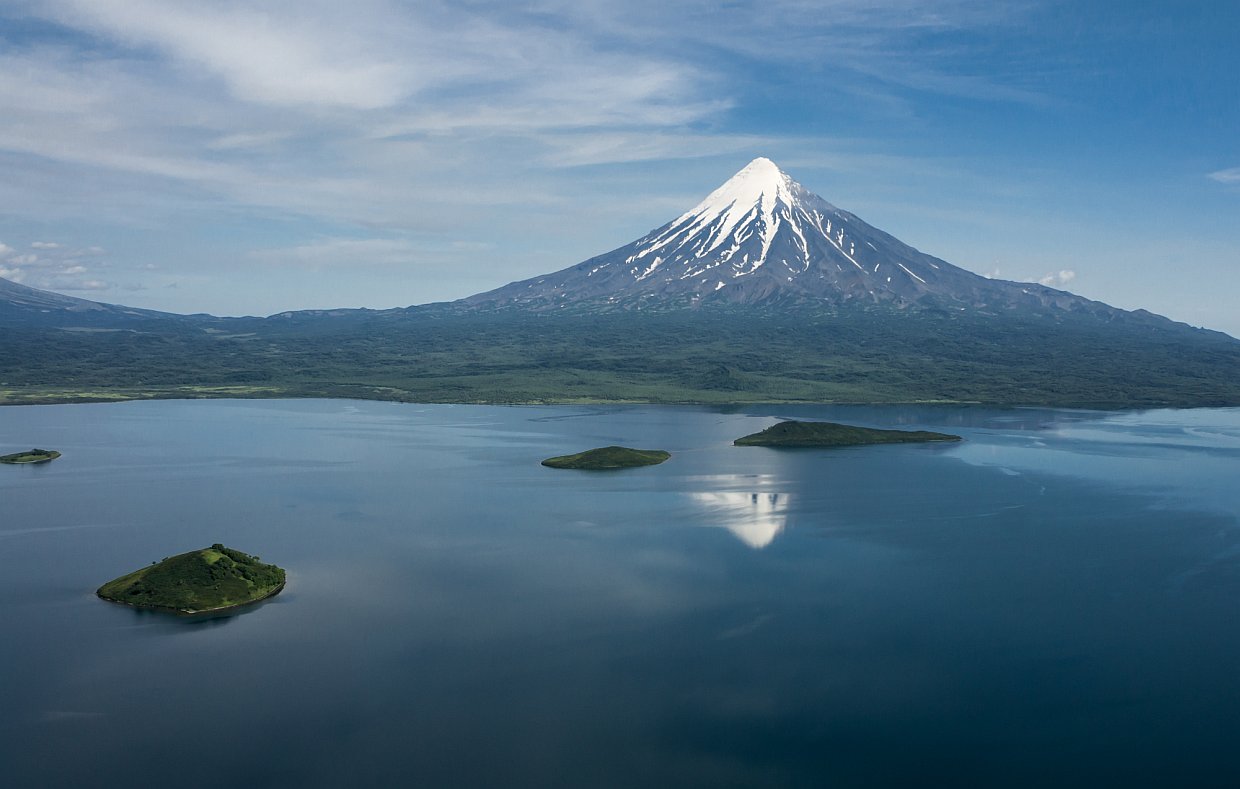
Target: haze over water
[(1051, 601)]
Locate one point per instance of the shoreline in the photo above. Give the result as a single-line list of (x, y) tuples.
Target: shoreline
[(53, 455), (195, 611), (8, 401)]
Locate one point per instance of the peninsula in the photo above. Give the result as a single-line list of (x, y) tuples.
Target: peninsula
[(211, 579), (605, 458), (791, 433), (33, 456)]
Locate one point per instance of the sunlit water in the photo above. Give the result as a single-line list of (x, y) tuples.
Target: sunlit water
[(1053, 601)]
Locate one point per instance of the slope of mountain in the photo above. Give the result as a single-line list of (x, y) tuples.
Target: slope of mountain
[(27, 306), (763, 239)]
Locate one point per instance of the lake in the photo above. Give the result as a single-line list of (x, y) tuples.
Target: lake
[(1054, 600)]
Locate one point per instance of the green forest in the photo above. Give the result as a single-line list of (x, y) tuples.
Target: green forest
[(688, 356)]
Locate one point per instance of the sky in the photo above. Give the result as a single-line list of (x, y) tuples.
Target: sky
[(254, 157)]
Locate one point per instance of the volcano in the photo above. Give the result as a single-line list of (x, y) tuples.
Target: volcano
[(763, 239)]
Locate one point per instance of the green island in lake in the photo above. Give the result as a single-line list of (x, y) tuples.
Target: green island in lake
[(211, 579), (32, 456), (605, 458), (792, 433)]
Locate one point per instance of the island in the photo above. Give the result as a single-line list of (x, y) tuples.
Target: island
[(33, 456), (207, 580), (606, 458), (791, 433)]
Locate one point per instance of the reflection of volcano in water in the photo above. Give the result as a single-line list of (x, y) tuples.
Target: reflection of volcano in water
[(753, 517)]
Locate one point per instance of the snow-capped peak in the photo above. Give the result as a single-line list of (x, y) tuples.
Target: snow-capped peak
[(759, 183), (754, 203)]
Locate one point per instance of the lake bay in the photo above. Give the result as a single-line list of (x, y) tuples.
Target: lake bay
[(1051, 601)]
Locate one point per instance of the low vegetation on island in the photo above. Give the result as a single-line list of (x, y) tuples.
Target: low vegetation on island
[(32, 456), (605, 458), (211, 579), (791, 433)]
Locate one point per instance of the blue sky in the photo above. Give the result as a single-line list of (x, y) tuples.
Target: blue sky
[(249, 158)]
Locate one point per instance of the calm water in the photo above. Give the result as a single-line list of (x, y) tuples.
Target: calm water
[(1056, 600)]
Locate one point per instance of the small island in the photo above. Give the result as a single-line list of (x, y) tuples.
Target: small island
[(211, 579), (32, 456), (792, 433), (605, 458)]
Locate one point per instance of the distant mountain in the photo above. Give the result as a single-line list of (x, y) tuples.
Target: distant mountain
[(762, 239), (26, 306)]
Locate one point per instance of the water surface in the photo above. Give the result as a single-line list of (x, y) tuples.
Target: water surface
[(1051, 601)]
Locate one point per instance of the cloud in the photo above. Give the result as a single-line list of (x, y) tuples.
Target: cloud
[(1229, 176), (66, 278), (1052, 279), (1056, 279), (575, 150), (376, 55), (64, 283), (398, 115), (343, 252), (238, 141), (877, 48), (360, 115), (317, 54), (55, 267)]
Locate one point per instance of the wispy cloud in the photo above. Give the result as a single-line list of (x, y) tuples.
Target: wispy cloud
[(346, 252), (893, 44), (1229, 176), (380, 114), (313, 108), (52, 266), (1052, 279), (310, 53), (71, 284), (1056, 279), (612, 147)]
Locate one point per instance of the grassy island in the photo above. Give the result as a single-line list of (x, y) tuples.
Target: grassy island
[(791, 433), (608, 458), (211, 579), (33, 456)]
